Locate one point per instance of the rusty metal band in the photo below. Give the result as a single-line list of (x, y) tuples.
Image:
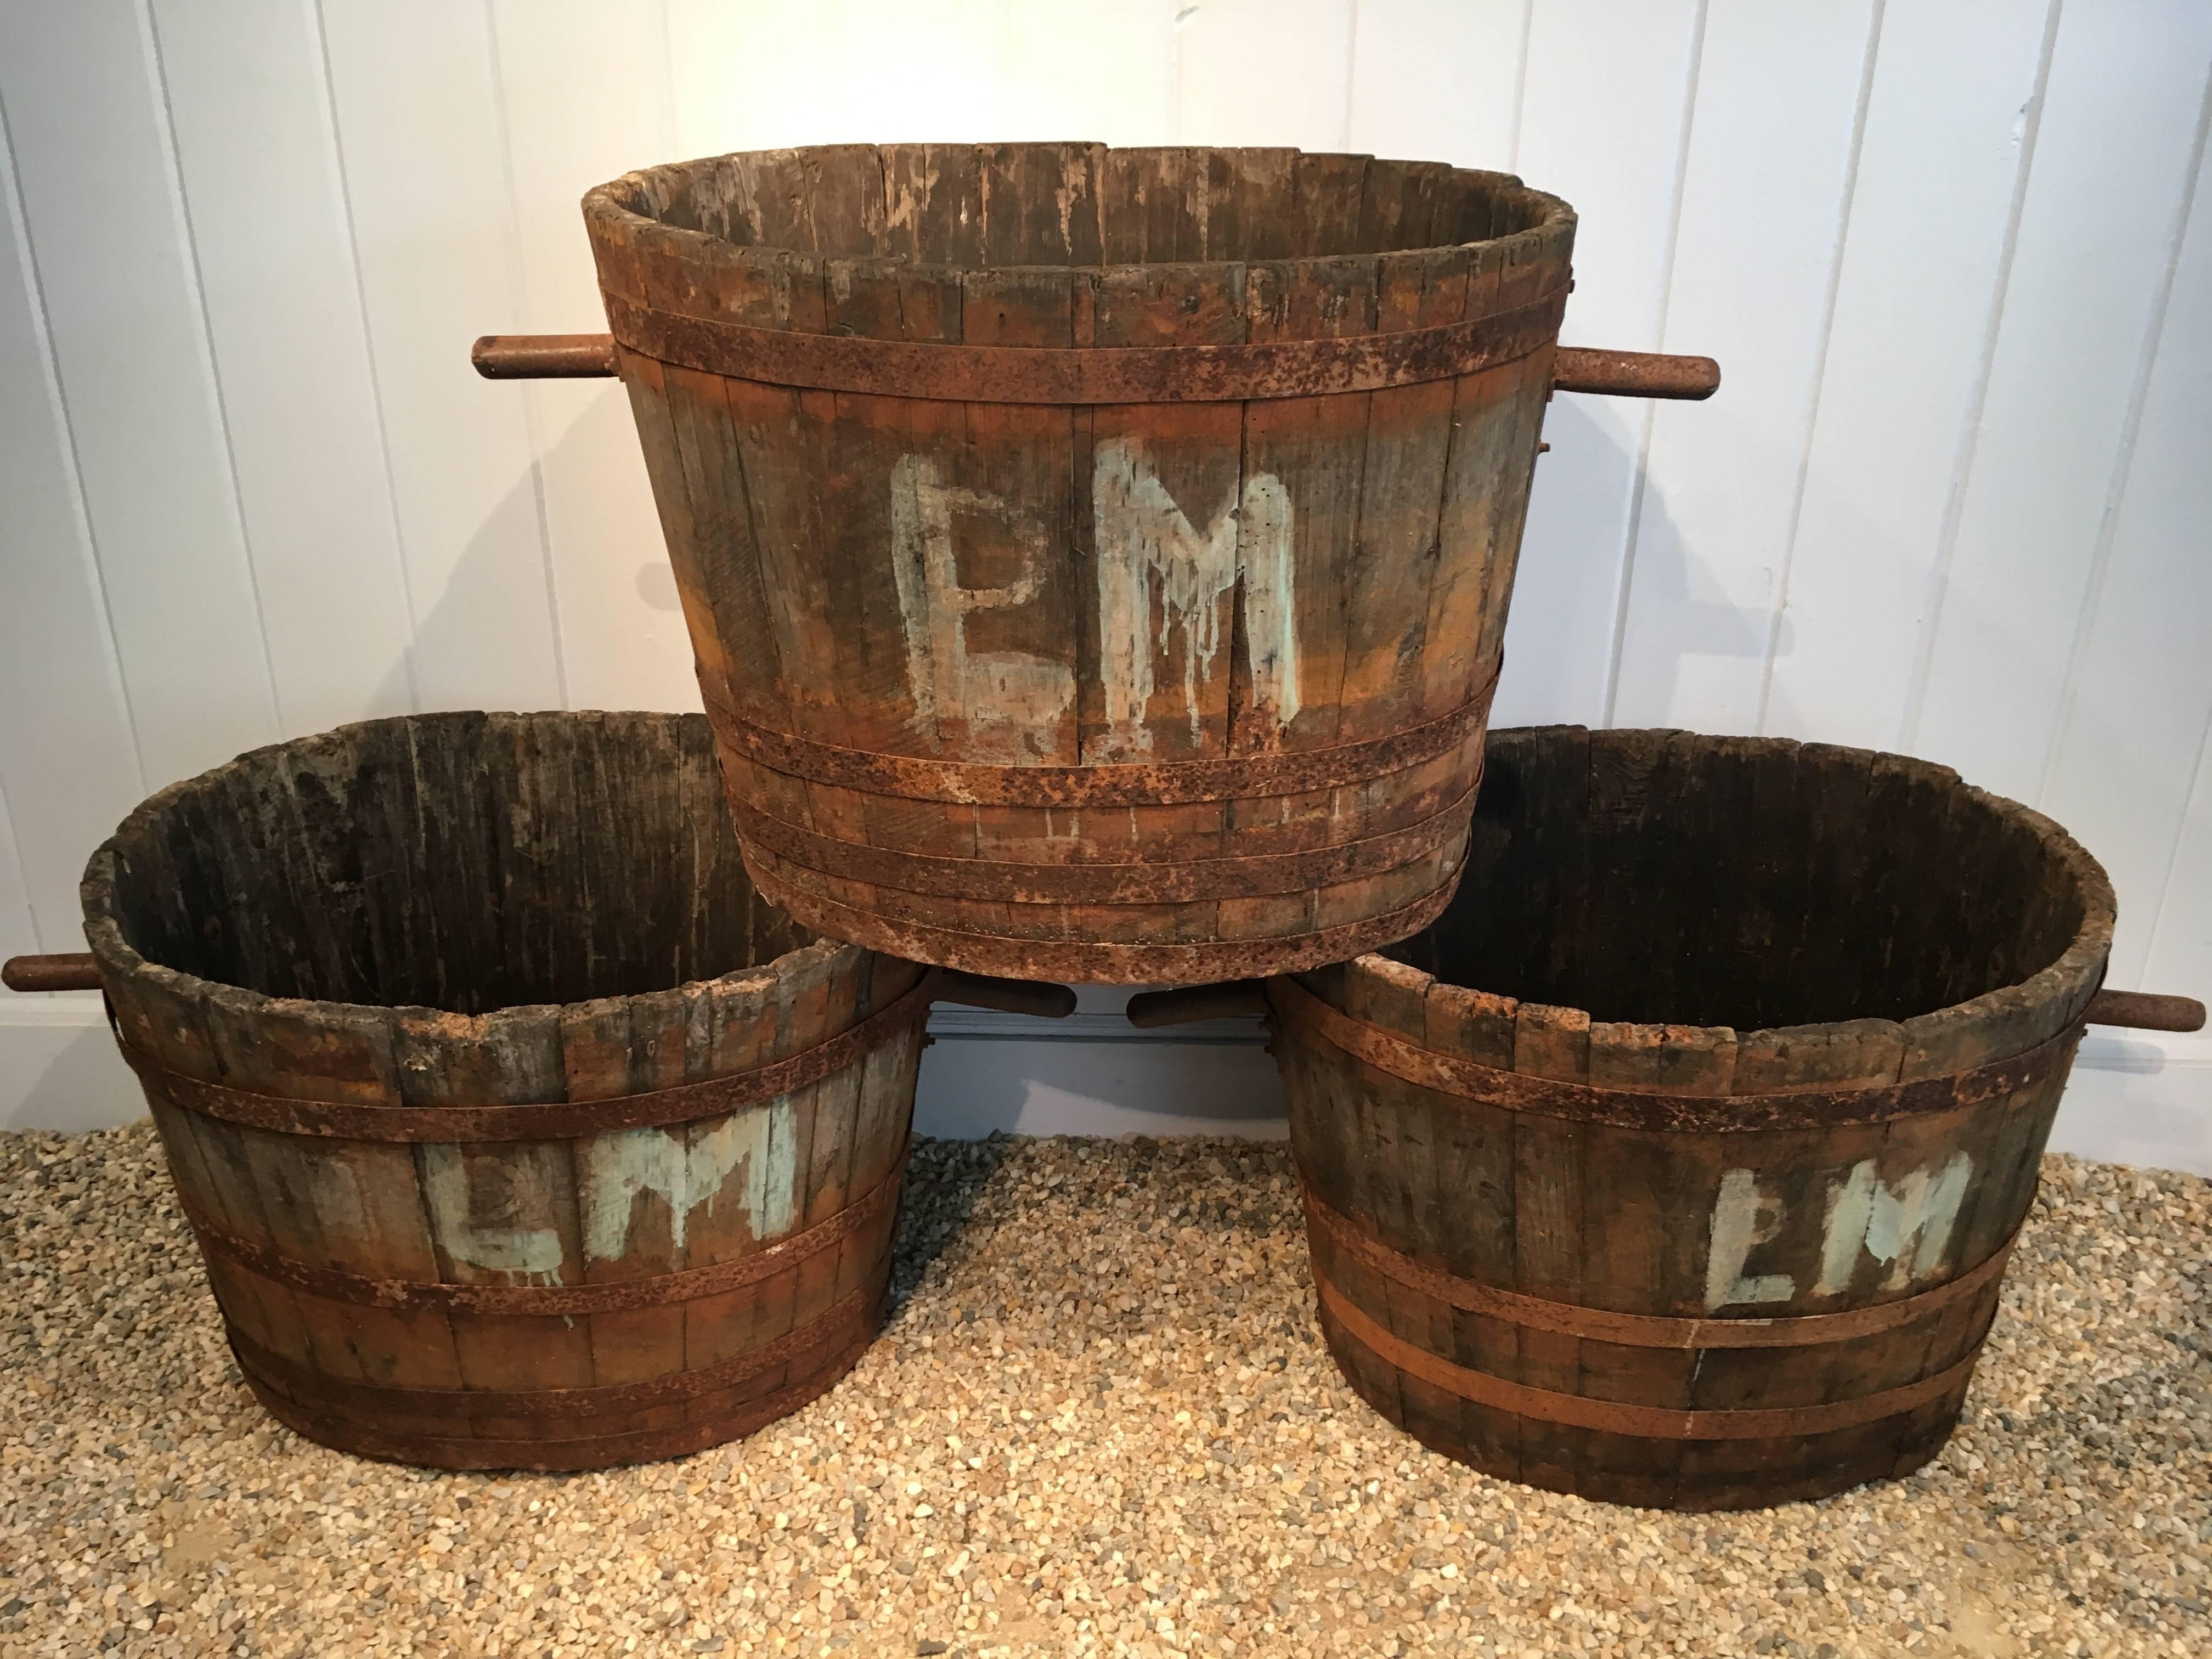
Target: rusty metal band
[(596, 1451), (1194, 880), (1631, 1109), (1163, 783), (369, 1403), (551, 1120), (1620, 1417), (1087, 374), (1022, 957), (551, 1300), (1637, 1330)]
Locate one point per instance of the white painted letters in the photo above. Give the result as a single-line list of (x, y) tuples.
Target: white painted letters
[(1002, 696), (759, 1145), (1140, 533), (1265, 554), (1908, 1226), (1145, 543), (1742, 1218), (456, 1212)]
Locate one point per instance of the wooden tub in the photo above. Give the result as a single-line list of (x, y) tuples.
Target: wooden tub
[(1095, 559), (1677, 1164), (517, 1129)]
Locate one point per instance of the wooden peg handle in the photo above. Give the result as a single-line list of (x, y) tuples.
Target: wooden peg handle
[(1010, 996), (543, 356), (2146, 1011), (1634, 374), (1235, 999), (71, 971)]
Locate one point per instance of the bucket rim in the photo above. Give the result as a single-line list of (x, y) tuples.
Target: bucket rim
[(120, 960)]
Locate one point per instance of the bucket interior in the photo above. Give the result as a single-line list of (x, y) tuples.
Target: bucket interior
[(923, 203), (1751, 883), (458, 861)]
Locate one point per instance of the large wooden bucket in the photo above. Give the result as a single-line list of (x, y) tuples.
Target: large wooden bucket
[(1676, 1164), (1095, 559), (517, 1129)]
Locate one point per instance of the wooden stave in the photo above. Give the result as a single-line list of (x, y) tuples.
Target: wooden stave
[(744, 659), (1348, 1116), (252, 1179)]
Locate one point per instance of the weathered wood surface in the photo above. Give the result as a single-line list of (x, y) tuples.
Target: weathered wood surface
[(1041, 586), (1724, 919), (467, 911)]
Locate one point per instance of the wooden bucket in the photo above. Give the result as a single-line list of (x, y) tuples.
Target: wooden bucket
[(1677, 1164), (517, 1129), (1095, 560)]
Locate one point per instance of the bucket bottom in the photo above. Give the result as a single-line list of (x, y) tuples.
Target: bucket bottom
[(570, 1429), (1640, 1471)]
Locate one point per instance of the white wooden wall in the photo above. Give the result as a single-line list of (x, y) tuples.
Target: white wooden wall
[(1952, 498)]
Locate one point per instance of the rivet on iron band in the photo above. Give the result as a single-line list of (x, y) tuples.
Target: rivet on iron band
[(596, 1451), (1619, 1417), (1062, 375), (548, 1120), (1027, 957), (463, 1406), (1454, 1075), (564, 1301), (1194, 879), (1114, 783), (1640, 1330)]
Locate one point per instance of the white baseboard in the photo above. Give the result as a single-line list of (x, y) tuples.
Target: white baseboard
[(59, 1066), (2140, 1098), (1094, 1073)]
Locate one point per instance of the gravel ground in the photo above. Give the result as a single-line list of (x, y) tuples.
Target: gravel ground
[(1100, 1422)]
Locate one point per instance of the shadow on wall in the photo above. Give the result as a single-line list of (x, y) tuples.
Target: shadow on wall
[(488, 634), (1567, 594), (2133, 1100)]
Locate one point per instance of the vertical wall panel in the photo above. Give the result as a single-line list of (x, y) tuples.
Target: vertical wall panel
[(1602, 121), (258, 156), (1440, 80), (2088, 270), (972, 70), (418, 107), (1924, 248), (763, 77), (68, 765), (719, 107), (1264, 72), (584, 103), (18, 933), (2122, 779), (92, 151), (1101, 70), (1770, 144), (2180, 956)]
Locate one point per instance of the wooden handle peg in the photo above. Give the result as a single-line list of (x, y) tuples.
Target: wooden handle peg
[(1009, 996), (71, 971), (1634, 374), (1235, 999), (543, 356), (2146, 1011)]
